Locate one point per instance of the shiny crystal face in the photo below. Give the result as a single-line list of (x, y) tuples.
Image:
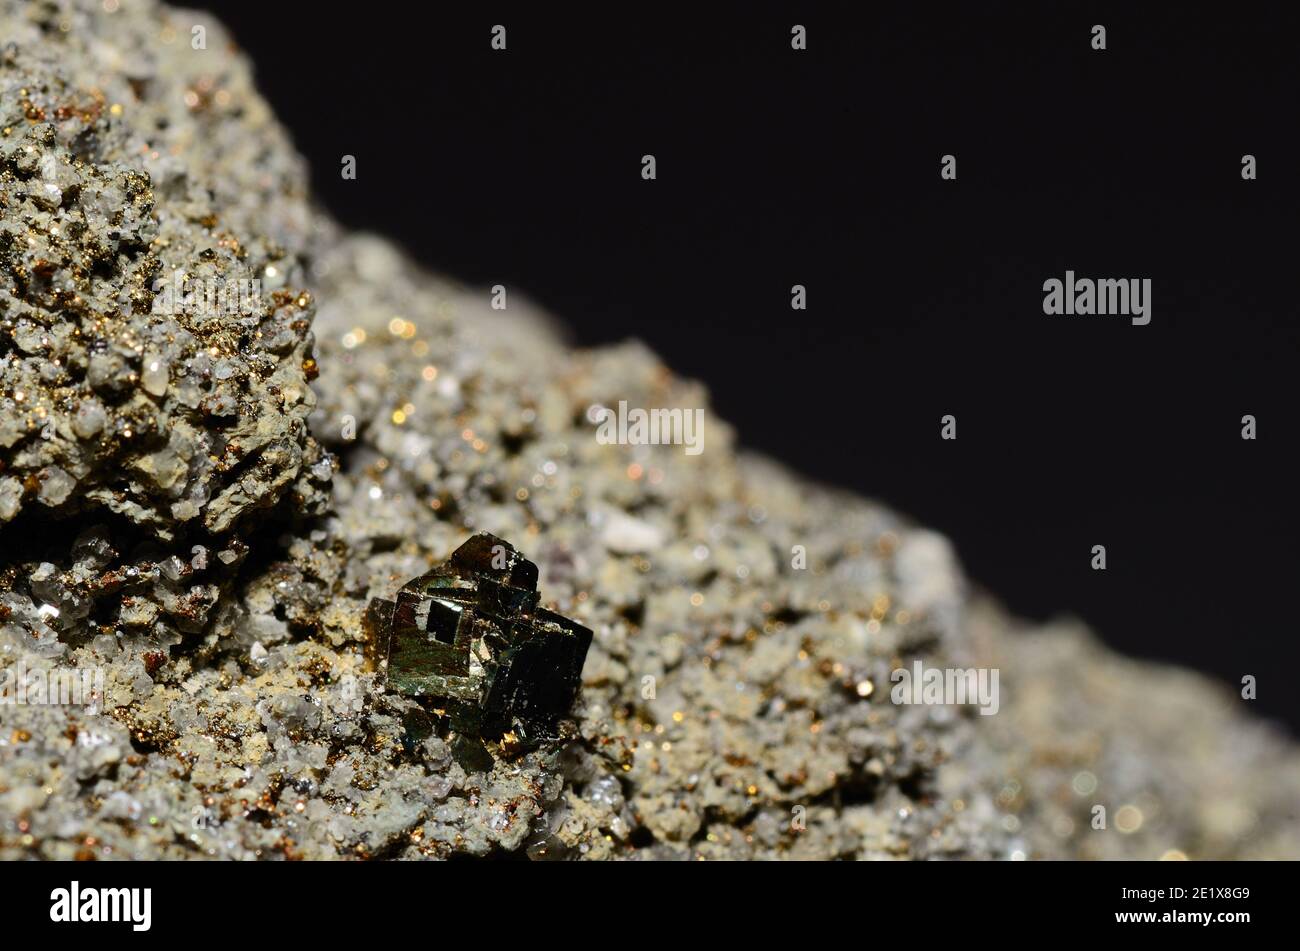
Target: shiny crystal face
[(470, 634)]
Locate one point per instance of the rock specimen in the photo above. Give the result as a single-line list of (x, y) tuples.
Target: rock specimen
[(470, 635), (121, 400), (201, 505)]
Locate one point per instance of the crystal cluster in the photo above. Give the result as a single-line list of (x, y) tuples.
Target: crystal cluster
[(470, 633)]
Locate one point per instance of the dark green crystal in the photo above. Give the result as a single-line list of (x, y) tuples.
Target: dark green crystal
[(469, 635)]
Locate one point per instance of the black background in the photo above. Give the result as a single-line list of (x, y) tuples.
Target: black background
[(821, 167)]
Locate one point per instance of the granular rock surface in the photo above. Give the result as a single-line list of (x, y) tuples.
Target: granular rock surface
[(198, 500)]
